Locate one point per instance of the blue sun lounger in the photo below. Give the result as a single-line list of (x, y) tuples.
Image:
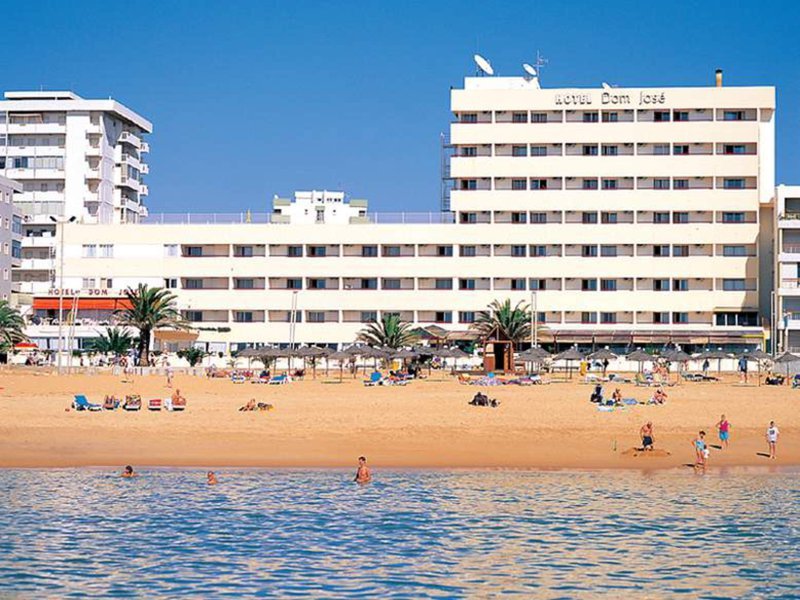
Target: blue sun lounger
[(81, 403)]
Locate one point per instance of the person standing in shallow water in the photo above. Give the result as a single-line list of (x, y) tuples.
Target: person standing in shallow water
[(724, 429), (363, 474), (772, 438)]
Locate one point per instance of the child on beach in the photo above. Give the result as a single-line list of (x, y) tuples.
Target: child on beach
[(701, 451), (723, 427), (772, 438)]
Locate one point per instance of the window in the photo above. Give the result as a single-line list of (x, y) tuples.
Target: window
[(734, 285), (538, 184), (610, 117), (518, 251), (733, 115), (538, 284), (244, 283), (87, 283), (588, 285), (469, 217), (369, 316), (294, 283), (443, 317), (680, 318), (195, 316), (466, 284), (170, 250), (538, 117), (680, 184), (194, 251), (590, 150), (608, 251), (589, 218), (609, 218), (391, 250), (680, 285), (294, 251), (661, 318), (680, 217), (369, 251), (588, 251), (519, 217), (661, 250), (610, 150), (588, 317), (538, 150), (469, 151), (743, 319), (661, 116), (680, 149), (539, 251), (242, 316), (468, 251), (733, 184), (539, 218), (469, 184), (391, 284), (589, 184), (89, 251), (193, 283), (608, 318), (170, 283), (469, 117), (444, 251), (680, 115), (590, 117), (608, 285), (317, 283), (610, 184), (660, 184), (444, 284), (661, 149), (519, 184), (660, 285), (316, 316), (106, 251), (519, 117), (518, 284), (519, 151), (734, 251), (660, 218), (369, 283), (681, 250), (733, 217), (317, 251), (243, 251), (466, 316), (734, 149)]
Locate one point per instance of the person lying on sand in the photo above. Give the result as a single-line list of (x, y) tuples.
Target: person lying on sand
[(128, 472), (363, 474), (251, 405), (265, 406), (212, 478), (646, 433)]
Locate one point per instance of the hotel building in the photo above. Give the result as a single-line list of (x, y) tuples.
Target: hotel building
[(10, 235), (787, 270), (625, 215), (75, 158)]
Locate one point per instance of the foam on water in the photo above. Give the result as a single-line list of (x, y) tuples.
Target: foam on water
[(408, 535)]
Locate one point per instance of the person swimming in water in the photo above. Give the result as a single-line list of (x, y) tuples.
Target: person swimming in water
[(363, 474), (128, 472), (212, 478)]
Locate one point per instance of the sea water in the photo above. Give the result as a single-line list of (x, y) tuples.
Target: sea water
[(410, 534)]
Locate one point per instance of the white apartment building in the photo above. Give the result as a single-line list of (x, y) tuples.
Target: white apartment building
[(10, 235), (626, 215), (318, 208), (787, 268), (75, 158)]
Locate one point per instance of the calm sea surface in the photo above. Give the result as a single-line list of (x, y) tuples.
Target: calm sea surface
[(408, 535)]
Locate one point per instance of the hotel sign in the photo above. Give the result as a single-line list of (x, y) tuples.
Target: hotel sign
[(85, 292), (611, 98)]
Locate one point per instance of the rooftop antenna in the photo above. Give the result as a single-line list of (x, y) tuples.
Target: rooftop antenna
[(541, 62), (484, 66)]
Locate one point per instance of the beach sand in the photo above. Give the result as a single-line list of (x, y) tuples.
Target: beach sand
[(426, 424)]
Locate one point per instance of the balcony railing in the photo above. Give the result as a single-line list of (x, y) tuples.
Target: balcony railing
[(791, 248), (432, 218)]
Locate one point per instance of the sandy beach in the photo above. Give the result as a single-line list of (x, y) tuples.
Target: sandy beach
[(324, 423)]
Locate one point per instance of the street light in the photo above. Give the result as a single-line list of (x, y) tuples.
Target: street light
[(62, 221), (534, 319)]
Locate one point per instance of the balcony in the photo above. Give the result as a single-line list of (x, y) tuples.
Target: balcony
[(126, 137), (37, 264), (145, 147), (144, 168)]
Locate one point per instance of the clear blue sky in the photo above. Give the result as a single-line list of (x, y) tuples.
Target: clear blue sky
[(250, 99)]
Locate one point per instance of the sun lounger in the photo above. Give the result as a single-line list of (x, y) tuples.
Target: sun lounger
[(178, 404), (133, 402), (642, 381), (110, 403), (82, 403), (154, 404), (238, 378), (375, 379), (279, 380)]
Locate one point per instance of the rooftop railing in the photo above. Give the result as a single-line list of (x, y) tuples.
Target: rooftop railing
[(244, 218)]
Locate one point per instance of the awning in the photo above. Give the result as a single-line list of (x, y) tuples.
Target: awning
[(82, 304), (175, 335)]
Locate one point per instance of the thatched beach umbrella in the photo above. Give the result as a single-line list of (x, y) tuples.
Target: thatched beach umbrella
[(785, 359), (313, 353), (534, 354), (602, 354), (342, 356), (717, 355), (757, 355), (677, 356), (568, 356), (641, 357)]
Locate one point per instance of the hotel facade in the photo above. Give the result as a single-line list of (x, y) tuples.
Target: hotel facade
[(626, 216)]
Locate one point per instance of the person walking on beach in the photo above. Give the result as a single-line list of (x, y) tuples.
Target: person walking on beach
[(363, 474), (700, 450), (724, 428), (646, 433), (706, 364), (772, 438), (743, 368)]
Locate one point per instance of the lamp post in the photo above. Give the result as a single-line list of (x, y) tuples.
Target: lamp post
[(62, 221), (534, 319)]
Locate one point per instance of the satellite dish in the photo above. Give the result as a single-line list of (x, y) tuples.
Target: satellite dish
[(483, 64), (529, 70), (606, 86)]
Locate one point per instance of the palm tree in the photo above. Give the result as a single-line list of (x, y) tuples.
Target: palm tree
[(512, 323), (115, 340), (193, 354), (12, 326), (150, 308), (390, 332)]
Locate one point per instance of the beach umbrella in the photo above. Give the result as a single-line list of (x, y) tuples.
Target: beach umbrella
[(534, 355), (340, 356), (568, 356), (639, 356), (717, 355), (785, 359), (757, 355), (677, 356), (602, 354), (404, 354), (311, 352)]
